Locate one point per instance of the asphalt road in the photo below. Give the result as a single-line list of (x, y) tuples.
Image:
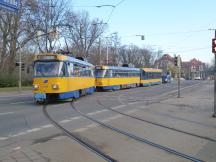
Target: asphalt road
[(23, 122), (19, 113)]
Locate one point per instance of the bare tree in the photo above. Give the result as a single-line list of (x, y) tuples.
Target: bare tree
[(18, 30), (82, 32), (133, 55), (46, 19), (5, 28)]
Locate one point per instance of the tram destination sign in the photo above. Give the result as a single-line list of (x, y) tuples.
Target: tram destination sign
[(10, 5)]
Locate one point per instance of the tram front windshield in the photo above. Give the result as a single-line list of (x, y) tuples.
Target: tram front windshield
[(49, 69)]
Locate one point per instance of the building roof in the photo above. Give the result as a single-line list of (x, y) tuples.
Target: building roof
[(166, 57)]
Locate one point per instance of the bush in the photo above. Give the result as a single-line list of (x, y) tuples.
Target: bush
[(12, 81), (8, 81)]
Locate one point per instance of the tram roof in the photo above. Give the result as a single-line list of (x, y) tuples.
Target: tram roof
[(60, 57), (151, 70), (117, 68)]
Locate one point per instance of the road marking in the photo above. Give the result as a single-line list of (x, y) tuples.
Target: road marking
[(3, 138), (39, 128), (97, 112), (65, 121), (19, 134), (15, 103), (92, 126), (131, 103), (59, 138), (47, 126), (16, 148), (131, 111), (75, 118), (7, 113), (24, 94), (69, 120), (81, 129), (111, 118), (33, 130), (118, 107)]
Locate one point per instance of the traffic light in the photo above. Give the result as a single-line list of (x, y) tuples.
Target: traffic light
[(214, 45), (176, 61), (23, 66)]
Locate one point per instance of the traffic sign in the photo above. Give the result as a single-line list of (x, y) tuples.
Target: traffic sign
[(10, 5)]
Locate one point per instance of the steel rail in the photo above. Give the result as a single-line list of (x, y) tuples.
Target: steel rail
[(142, 140), (155, 123), (78, 139)]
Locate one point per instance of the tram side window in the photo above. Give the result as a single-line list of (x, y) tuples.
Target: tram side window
[(85, 72), (114, 73), (62, 71), (137, 74), (156, 75), (109, 74), (150, 75), (130, 74), (76, 71), (133, 74), (70, 69), (118, 74), (145, 75)]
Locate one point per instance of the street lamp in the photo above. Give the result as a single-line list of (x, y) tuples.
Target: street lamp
[(101, 23), (107, 50), (213, 50), (141, 36)]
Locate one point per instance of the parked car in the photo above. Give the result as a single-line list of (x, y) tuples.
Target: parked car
[(166, 78), (197, 78)]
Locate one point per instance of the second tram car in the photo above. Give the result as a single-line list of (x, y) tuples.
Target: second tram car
[(115, 78), (61, 77), (150, 76)]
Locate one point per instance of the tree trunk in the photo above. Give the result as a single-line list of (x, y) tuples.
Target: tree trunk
[(13, 48)]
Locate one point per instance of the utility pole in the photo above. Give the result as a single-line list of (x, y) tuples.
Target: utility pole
[(99, 51), (179, 73), (214, 52), (20, 72), (107, 53)]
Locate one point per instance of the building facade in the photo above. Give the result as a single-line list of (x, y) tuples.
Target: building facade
[(193, 69)]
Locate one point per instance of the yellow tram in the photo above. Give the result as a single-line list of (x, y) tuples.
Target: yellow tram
[(150, 76), (61, 77), (114, 78)]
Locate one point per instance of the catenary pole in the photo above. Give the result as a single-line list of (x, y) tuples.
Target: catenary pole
[(20, 72), (179, 74), (214, 114)]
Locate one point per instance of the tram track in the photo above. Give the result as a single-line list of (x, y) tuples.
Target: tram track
[(148, 102), (136, 138), (122, 132), (78, 139)]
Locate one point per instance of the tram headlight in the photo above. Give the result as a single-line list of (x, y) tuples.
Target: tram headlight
[(55, 86), (36, 87)]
